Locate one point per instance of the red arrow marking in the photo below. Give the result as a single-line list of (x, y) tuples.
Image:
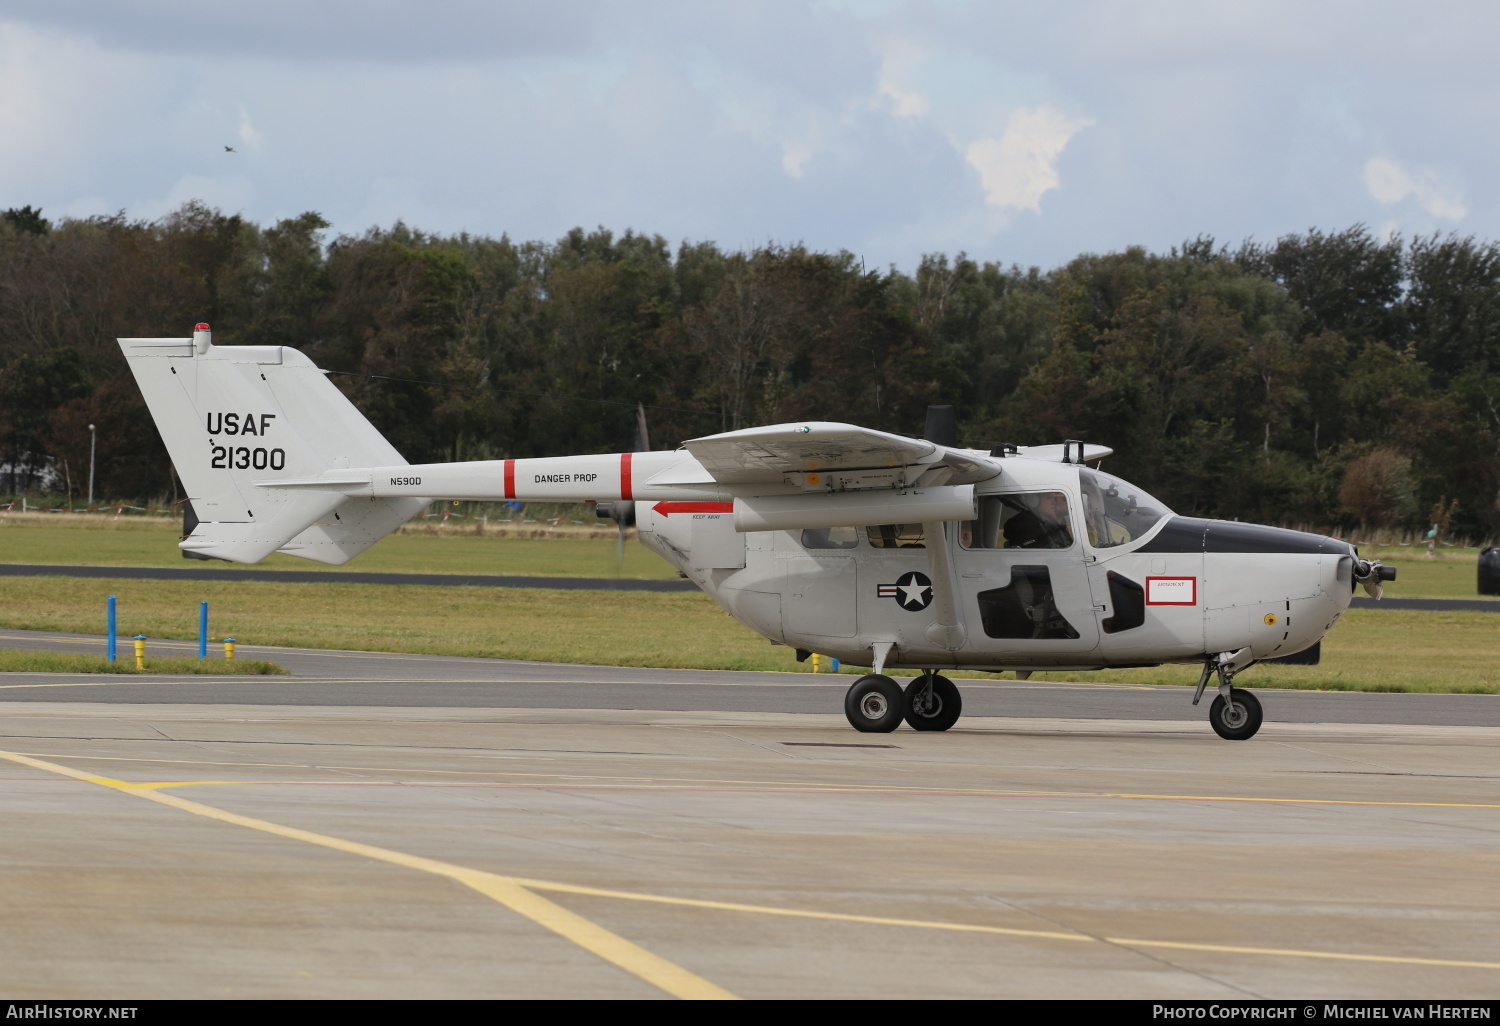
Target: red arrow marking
[(666, 509)]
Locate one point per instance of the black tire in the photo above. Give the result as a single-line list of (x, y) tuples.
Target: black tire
[(874, 704), (1239, 723), (947, 705)]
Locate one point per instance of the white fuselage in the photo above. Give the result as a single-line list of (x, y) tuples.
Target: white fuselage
[(842, 601)]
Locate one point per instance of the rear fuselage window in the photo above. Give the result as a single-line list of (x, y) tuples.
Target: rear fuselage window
[(896, 536), (830, 537)]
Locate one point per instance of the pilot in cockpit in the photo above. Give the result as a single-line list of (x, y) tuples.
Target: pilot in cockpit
[(1043, 524)]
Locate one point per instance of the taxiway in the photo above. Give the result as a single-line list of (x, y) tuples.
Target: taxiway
[(383, 826)]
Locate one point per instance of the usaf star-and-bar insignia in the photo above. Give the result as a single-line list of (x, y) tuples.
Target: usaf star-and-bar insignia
[(912, 590)]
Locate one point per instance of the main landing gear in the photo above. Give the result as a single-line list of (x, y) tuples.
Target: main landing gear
[(875, 704), (1235, 713)]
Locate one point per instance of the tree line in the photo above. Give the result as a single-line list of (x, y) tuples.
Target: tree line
[(1337, 379)]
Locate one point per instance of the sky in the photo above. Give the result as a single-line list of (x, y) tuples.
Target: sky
[(1022, 133)]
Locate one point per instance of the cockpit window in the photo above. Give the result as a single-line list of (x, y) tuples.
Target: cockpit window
[(1116, 511), (1021, 520)]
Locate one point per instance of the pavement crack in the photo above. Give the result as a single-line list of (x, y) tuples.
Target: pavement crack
[(756, 744), (1329, 755), (1149, 956)]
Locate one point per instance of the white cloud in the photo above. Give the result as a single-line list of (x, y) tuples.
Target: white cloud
[(249, 135), (1389, 182), (904, 104), (1021, 165), (901, 62)]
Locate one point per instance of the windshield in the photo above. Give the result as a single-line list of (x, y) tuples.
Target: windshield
[(1116, 511)]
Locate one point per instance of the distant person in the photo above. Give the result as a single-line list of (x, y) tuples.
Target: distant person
[(1044, 527)]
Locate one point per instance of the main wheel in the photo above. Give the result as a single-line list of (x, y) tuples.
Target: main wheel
[(937, 711), (1238, 721), (874, 704)]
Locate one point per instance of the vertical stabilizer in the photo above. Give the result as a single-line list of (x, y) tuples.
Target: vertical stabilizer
[(239, 419)]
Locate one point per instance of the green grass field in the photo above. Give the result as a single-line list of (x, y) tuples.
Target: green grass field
[(1372, 650), (15, 660), (152, 541)]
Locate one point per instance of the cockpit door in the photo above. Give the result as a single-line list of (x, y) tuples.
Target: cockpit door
[(1023, 579)]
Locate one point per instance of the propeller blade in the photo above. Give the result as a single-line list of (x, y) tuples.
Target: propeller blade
[(642, 436)]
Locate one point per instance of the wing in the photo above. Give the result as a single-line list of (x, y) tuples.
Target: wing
[(766, 455)]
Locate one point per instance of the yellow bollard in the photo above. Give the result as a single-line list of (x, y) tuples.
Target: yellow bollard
[(817, 661), (140, 651), (228, 649)]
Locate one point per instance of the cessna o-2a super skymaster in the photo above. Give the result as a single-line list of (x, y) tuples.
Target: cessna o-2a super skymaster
[(877, 549)]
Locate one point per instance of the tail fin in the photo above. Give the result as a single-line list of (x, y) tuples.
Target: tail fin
[(239, 419)]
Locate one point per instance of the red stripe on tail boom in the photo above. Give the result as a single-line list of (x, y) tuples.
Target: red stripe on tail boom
[(627, 488), (666, 509)]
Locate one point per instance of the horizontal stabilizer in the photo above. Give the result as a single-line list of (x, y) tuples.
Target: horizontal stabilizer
[(253, 542), (353, 526)]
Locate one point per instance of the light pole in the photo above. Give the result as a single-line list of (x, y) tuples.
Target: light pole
[(91, 465)]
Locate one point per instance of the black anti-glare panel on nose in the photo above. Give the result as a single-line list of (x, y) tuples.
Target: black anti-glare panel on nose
[(1189, 534)]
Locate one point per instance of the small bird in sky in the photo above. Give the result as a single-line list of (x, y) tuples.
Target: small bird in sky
[(230, 149)]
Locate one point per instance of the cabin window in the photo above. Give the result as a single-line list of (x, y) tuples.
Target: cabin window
[(1129, 601), (1116, 511), (830, 537), (1024, 608), (1024, 520), (896, 536)]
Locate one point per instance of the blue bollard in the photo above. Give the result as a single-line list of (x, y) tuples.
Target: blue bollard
[(835, 665), (203, 629), (110, 617)]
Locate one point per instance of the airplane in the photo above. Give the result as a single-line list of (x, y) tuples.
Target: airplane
[(877, 549)]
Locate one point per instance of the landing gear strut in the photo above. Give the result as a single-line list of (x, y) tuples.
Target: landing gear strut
[(1235, 713)]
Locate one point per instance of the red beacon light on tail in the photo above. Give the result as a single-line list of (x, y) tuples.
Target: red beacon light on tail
[(203, 337)]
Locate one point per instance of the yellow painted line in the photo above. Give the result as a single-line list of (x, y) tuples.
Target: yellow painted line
[(794, 913), (1300, 953), (611, 947), (546, 885), (158, 785), (516, 893)]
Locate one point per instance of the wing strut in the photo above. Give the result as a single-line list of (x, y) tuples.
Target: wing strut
[(946, 631)]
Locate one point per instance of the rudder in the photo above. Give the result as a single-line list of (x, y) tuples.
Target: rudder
[(238, 419)]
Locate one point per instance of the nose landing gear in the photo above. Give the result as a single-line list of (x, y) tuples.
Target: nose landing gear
[(1235, 713), (1236, 719)]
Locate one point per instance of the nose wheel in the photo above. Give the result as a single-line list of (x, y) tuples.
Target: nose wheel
[(1235, 713), (1236, 719)]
